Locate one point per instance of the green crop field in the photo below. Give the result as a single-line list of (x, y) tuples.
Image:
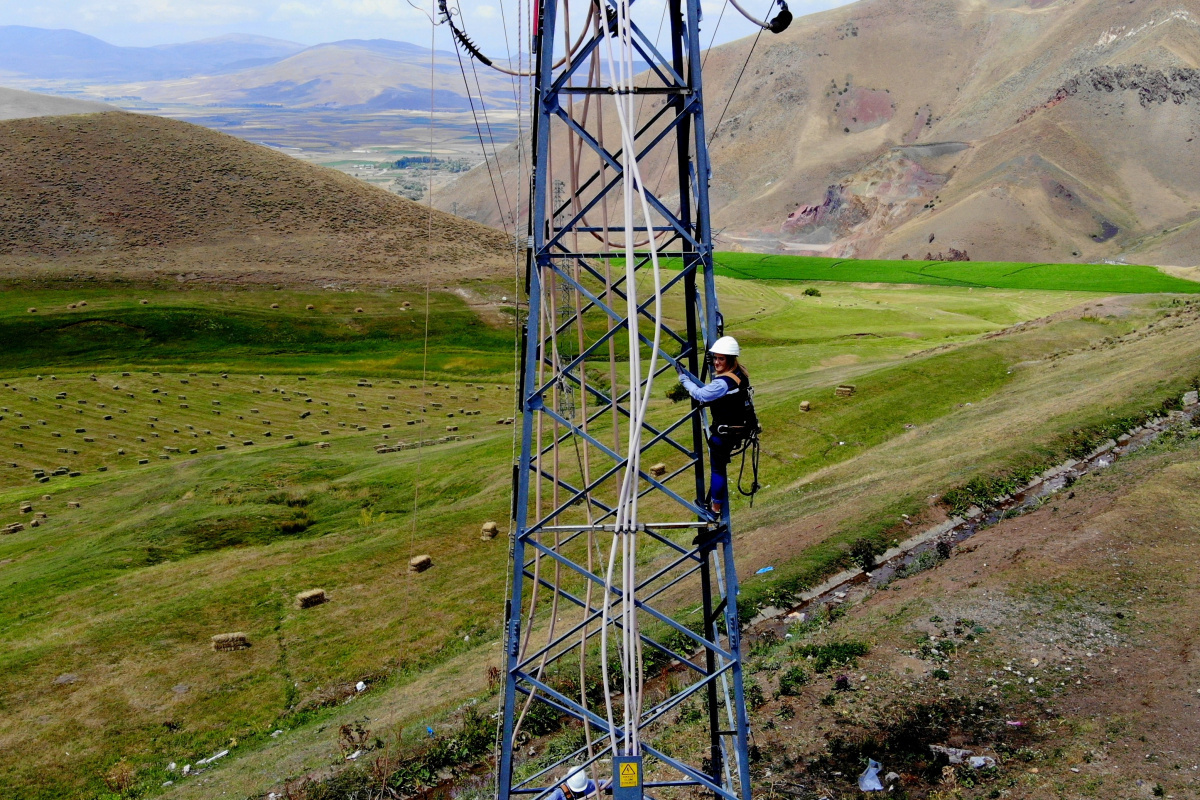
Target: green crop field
[(1110, 278), (108, 605)]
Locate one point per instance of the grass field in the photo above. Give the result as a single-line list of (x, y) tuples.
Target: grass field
[(106, 610), (1109, 278)]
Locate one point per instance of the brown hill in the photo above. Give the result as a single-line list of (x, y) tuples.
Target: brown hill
[(16, 104), (1012, 129), (147, 197)]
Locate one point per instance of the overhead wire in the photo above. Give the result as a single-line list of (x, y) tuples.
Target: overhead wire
[(713, 135)]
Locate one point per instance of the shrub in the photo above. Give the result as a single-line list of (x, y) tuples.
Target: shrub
[(835, 654), (863, 551), (677, 393), (812, 292), (755, 698), (793, 680)]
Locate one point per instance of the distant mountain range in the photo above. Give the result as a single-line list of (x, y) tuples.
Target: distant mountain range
[(70, 55), (362, 75)]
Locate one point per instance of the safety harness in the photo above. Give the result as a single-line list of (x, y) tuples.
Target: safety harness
[(733, 415)]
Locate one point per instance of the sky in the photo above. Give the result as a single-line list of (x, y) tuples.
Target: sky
[(151, 22)]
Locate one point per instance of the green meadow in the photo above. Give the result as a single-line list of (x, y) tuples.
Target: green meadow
[(107, 607), (1109, 278)]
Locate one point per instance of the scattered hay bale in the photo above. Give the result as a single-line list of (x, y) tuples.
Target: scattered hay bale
[(658, 470), (26, 508), (12, 527), (73, 504), (451, 428), (230, 641), (308, 307), (323, 445), (358, 310), (845, 390), (805, 406), (32, 310), (46, 497), (72, 306), (143, 302), (274, 305), (489, 531), (310, 598), (419, 563)]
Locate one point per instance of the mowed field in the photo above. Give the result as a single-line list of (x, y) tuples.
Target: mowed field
[(107, 609), (197, 500)]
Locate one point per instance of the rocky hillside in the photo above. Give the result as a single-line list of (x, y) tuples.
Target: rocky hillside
[(148, 197), (1065, 130)]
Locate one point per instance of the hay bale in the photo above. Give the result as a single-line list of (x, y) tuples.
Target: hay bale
[(46, 497), (26, 508), (12, 527), (73, 504), (419, 563), (308, 307), (323, 445), (32, 310), (489, 531), (658, 470), (83, 303), (805, 406), (143, 302), (451, 428), (310, 598), (358, 310), (845, 390), (274, 305), (230, 641)]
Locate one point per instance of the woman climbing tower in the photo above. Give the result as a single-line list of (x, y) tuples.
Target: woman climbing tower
[(730, 401)]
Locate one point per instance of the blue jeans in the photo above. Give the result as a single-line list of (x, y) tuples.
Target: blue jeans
[(720, 448)]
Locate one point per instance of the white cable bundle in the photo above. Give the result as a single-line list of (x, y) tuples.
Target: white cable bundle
[(621, 74)]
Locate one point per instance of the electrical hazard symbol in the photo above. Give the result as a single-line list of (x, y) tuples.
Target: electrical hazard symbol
[(627, 778)]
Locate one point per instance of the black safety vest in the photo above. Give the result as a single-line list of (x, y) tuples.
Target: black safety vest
[(734, 412)]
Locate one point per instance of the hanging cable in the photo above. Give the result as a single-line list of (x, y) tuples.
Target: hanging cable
[(778, 24), (462, 38)]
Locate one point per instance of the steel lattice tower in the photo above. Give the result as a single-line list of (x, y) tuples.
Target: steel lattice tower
[(574, 413)]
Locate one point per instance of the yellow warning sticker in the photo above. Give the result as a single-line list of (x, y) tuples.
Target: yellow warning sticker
[(629, 775)]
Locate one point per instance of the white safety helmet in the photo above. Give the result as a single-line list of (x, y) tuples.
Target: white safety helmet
[(726, 346), (577, 780)]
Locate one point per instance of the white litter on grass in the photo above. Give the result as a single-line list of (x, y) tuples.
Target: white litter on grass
[(979, 762), (212, 758), (187, 768), (276, 733), (360, 687), (869, 780), (354, 755)]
